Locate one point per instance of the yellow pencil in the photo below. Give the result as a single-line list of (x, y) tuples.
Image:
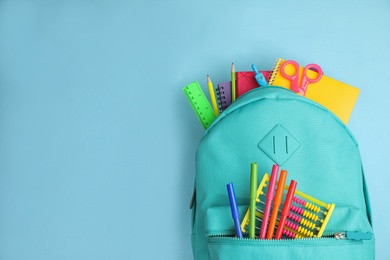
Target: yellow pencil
[(212, 96), (233, 84)]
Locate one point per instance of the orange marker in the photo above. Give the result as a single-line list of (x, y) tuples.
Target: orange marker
[(277, 202)]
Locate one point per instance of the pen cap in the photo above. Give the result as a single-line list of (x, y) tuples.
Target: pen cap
[(279, 191), (232, 199), (272, 182), (289, 197), (253, 182)]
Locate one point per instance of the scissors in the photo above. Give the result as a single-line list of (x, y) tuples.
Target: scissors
[(294, 78)]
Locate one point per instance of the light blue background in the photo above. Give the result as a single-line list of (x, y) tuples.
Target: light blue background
[(97, 140)]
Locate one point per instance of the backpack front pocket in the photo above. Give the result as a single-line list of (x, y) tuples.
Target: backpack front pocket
[(341, 238), (308, 248)]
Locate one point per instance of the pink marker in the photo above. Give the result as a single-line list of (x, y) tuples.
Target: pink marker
[(269, 198)]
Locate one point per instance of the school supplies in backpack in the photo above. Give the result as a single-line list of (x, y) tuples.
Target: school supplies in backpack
[(273, 125), (308, 216)]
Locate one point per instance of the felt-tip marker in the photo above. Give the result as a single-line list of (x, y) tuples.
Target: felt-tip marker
[(234, 208)]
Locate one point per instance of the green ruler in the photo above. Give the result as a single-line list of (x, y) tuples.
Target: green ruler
[(200, 104)]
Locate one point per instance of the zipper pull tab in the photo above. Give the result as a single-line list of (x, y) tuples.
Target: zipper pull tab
[(353, 235)]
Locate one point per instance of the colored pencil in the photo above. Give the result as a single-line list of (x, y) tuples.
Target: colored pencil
[(212, 96), (233, 83)]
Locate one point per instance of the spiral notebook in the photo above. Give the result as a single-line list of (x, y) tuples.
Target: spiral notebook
[(224, 95), (338, 97), (245, 81)]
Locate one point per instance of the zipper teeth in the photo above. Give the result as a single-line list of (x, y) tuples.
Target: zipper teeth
[(232, 236)]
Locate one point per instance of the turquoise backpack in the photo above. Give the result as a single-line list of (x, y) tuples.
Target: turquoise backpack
[(323, 157)]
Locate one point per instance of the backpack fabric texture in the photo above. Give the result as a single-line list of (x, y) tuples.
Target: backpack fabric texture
[(320, 153)]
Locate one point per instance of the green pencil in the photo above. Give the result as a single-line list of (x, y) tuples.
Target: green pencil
[(252, 205), (233, 83)]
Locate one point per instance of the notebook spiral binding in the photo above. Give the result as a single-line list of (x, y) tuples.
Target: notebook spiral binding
[(223, 95), (220, 102), (272, 76)]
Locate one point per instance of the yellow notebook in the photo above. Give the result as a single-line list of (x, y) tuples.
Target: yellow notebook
[(338, 97)]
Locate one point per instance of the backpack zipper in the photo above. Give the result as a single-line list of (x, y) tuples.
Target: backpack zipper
[(346, 235)]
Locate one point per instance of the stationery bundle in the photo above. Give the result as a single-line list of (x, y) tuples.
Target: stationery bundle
[(310, 81)]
